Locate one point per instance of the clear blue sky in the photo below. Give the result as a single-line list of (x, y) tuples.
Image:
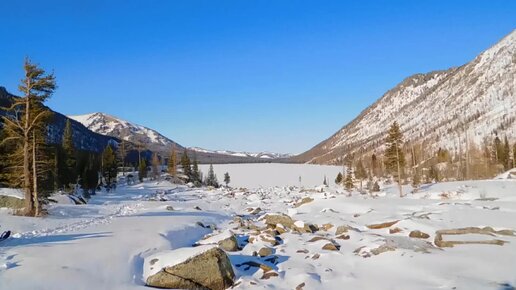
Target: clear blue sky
[(241, 75)]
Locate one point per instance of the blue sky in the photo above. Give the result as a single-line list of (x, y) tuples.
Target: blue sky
[(240, 75)]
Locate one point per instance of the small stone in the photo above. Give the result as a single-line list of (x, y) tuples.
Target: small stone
[(382, 225), (265, 251), (170, 208), (343, 237), (330, 247), (341, 230), (197, 208), (269, 275), (300, 286), (418, 235), (394, 230)]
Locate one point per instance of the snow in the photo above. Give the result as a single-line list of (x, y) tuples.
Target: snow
[(214, 239), (12, 192), (154, 263), (109, 243), (255, 175)]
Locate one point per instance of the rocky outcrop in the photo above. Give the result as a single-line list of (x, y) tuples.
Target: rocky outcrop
[(210, 270)]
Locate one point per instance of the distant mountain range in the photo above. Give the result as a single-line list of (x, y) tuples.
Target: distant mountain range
[(153, 140), (438, 108), (262, 155)]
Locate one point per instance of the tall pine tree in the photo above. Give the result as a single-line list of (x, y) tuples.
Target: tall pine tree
[(185, 163), (394, 157), (109, 166), (23, 119), (68, 170), (172, 162)]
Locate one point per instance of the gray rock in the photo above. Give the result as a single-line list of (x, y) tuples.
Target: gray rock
[(210, 270)]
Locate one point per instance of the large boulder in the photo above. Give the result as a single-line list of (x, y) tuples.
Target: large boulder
[(203, 267), (11, 202)]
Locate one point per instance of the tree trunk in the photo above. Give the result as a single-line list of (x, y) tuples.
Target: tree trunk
[(399, 170), (35, 177), (29, 205)]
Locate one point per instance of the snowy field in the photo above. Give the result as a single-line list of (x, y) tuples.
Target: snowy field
[(255, 175), (104, 244)]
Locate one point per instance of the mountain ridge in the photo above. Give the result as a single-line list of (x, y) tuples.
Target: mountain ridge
[(479, 95)]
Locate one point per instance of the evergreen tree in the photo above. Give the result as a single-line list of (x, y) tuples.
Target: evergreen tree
[(360, 172), (376, 187), (506, 154), (109, 165), (374, 165), (172, 162), (325, 182), (195, 174), (416, 180), (498, 151), (338, 179), (68, 167), (156, 164), (227, 178), (514, 155), (211, 179), (142, 170), (348, 181), (394, 157), (24, 117), (185, 163)]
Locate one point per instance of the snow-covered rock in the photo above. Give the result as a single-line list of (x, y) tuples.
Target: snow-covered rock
[(203, 267)]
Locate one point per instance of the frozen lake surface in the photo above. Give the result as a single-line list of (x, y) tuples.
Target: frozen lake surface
[(255, 175)]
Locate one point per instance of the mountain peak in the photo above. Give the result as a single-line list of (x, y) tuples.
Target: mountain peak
[(109, 125)]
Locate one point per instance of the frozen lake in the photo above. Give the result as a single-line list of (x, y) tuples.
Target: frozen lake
[(255, 175)]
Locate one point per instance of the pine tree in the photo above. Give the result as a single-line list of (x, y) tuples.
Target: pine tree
[(338, 179), (394, 157), (374, 165), (227, 178), (211, 179), (24, 117), (195, 174), (185, 163), (360, 172), (498, 150), (68, 168), (506, 154), (348, 181), (142, 170), (376, 187), (109, 165), (416, 180), (156, 164), (514, 155), (123, 155), (172, 162)]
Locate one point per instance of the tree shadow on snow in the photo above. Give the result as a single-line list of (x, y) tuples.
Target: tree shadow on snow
[(45, 240)]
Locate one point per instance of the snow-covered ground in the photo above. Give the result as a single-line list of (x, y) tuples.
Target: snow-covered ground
[(254, 175), (102, 245)]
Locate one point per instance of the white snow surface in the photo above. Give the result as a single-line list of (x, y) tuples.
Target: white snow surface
[(13, 192), (108, 243)]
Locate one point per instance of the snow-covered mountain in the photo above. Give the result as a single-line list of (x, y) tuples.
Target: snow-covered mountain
[(112, 126), (439, 108), (261, 155)]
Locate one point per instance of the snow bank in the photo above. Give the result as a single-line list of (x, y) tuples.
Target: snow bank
[(12, 192)]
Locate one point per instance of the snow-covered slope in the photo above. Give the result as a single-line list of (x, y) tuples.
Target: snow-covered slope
[(432, 107), (112, 126), (262, 155)]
